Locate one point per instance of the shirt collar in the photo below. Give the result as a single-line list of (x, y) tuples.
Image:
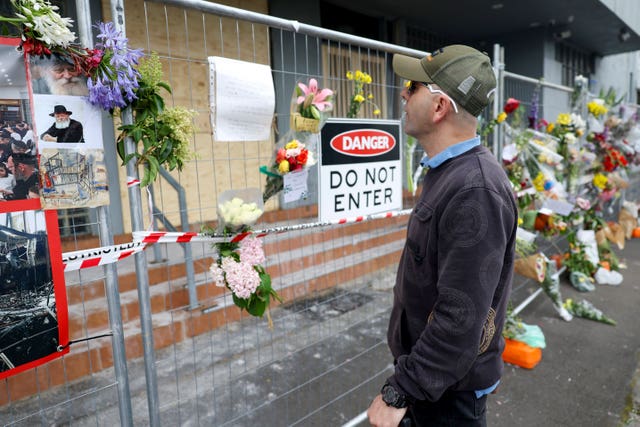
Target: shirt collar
[(450, 152)]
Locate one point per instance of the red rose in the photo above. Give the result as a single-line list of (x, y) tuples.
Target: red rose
[(511, 105), (303, 157), (281, 155)]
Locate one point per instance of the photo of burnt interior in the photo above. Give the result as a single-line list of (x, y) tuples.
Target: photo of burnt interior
[(28, 318)]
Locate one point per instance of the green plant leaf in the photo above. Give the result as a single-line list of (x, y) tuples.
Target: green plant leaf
[(165, 86)]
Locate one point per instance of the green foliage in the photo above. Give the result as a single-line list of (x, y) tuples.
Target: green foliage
[(161, 134)]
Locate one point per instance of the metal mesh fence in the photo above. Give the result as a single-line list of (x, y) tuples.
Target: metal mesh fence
[(326, 354)]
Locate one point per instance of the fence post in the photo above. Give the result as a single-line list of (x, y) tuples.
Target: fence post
[(142, 276), (498, 98), (111, 276)]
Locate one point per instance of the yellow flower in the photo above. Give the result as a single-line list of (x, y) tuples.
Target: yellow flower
[(596, 108), (550, 127), (358, 98), (283, 167), (292, 144), (349, 75), (520, 221), (407, 83), (501, 117), (579, 133), (563, 119), (367, 78), (538, 182), (376, 112), (600, 180), (370, 96), (359, 75)]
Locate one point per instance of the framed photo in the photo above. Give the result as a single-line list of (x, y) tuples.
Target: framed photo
[(33, 303), (18, 142)]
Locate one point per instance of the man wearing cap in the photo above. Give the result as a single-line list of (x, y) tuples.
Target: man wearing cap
[(64, 129), (454, 275), (26, 174)]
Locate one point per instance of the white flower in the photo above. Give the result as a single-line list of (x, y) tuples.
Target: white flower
[(236, 212), (577, 121)]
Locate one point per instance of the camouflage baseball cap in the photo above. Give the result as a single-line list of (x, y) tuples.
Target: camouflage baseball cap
[(462, 72)]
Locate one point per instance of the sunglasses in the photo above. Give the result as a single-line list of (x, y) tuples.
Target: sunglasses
[(413, 86)]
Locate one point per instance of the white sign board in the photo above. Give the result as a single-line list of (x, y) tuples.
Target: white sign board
[(360, 169)]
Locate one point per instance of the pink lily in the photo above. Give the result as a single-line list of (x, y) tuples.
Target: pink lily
[(314, 97)]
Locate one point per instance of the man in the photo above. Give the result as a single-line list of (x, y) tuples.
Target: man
[(56, 76), (5, 145), (24, 167), (64, 129), (454, 275)]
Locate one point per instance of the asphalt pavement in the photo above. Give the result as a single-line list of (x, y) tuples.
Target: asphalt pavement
[(589, 374)]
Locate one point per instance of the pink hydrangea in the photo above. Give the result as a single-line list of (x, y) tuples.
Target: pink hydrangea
[(251, 251), (218, 274), (242, 278)]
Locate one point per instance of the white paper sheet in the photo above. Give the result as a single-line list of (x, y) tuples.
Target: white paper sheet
[(242, 100), (295, 186)]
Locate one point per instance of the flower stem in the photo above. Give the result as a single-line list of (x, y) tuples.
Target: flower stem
[(12, 20)]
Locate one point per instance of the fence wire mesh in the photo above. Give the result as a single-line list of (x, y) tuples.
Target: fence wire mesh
[(326, 355)]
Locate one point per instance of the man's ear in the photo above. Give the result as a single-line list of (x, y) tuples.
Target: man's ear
[(441, 108)]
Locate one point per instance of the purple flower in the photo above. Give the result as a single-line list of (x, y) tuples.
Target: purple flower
[(116, 80)]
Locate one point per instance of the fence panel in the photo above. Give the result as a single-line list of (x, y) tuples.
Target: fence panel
[(326, 355)]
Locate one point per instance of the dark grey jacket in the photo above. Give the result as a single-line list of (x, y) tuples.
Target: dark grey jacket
[(454, 279)]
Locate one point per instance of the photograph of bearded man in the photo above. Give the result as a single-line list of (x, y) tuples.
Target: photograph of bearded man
[(64, 128), (57, 76)]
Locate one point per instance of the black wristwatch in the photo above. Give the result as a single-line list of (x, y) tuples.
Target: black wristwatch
[(391, 397)]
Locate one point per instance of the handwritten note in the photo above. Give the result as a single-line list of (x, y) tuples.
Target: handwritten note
[(295, 186), (242, 100)]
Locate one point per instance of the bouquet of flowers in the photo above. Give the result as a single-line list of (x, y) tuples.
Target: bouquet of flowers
[(238, 264), (586, 310), (509, 108), (310, 107), (291, 156), (43, 30), (163, 134), (359, 96), (551, 287)]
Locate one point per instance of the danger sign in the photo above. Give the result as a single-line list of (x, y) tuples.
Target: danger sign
[(360, 168)]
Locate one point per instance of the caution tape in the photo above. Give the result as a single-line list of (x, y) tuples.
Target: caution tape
[(87, 258), (151, 237)]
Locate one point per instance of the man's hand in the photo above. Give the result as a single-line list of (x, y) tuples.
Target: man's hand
[(49, 138), (381, 415)]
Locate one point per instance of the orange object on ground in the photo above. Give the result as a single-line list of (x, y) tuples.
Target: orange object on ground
[(636, 232), (521, 354)]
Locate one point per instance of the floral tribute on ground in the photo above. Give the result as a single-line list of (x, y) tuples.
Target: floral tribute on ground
[(568, 175), (238, 263)]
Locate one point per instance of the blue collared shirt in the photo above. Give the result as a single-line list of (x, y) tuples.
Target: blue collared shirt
[(450, 152)]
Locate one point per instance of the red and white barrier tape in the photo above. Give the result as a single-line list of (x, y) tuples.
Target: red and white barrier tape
[(87, 258), (109, 254), (182, 237)]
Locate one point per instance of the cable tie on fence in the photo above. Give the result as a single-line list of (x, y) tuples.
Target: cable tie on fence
[(64, 347), (132, 182)]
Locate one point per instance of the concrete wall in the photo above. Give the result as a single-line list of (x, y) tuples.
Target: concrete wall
[(619, 72), (627, 10)]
